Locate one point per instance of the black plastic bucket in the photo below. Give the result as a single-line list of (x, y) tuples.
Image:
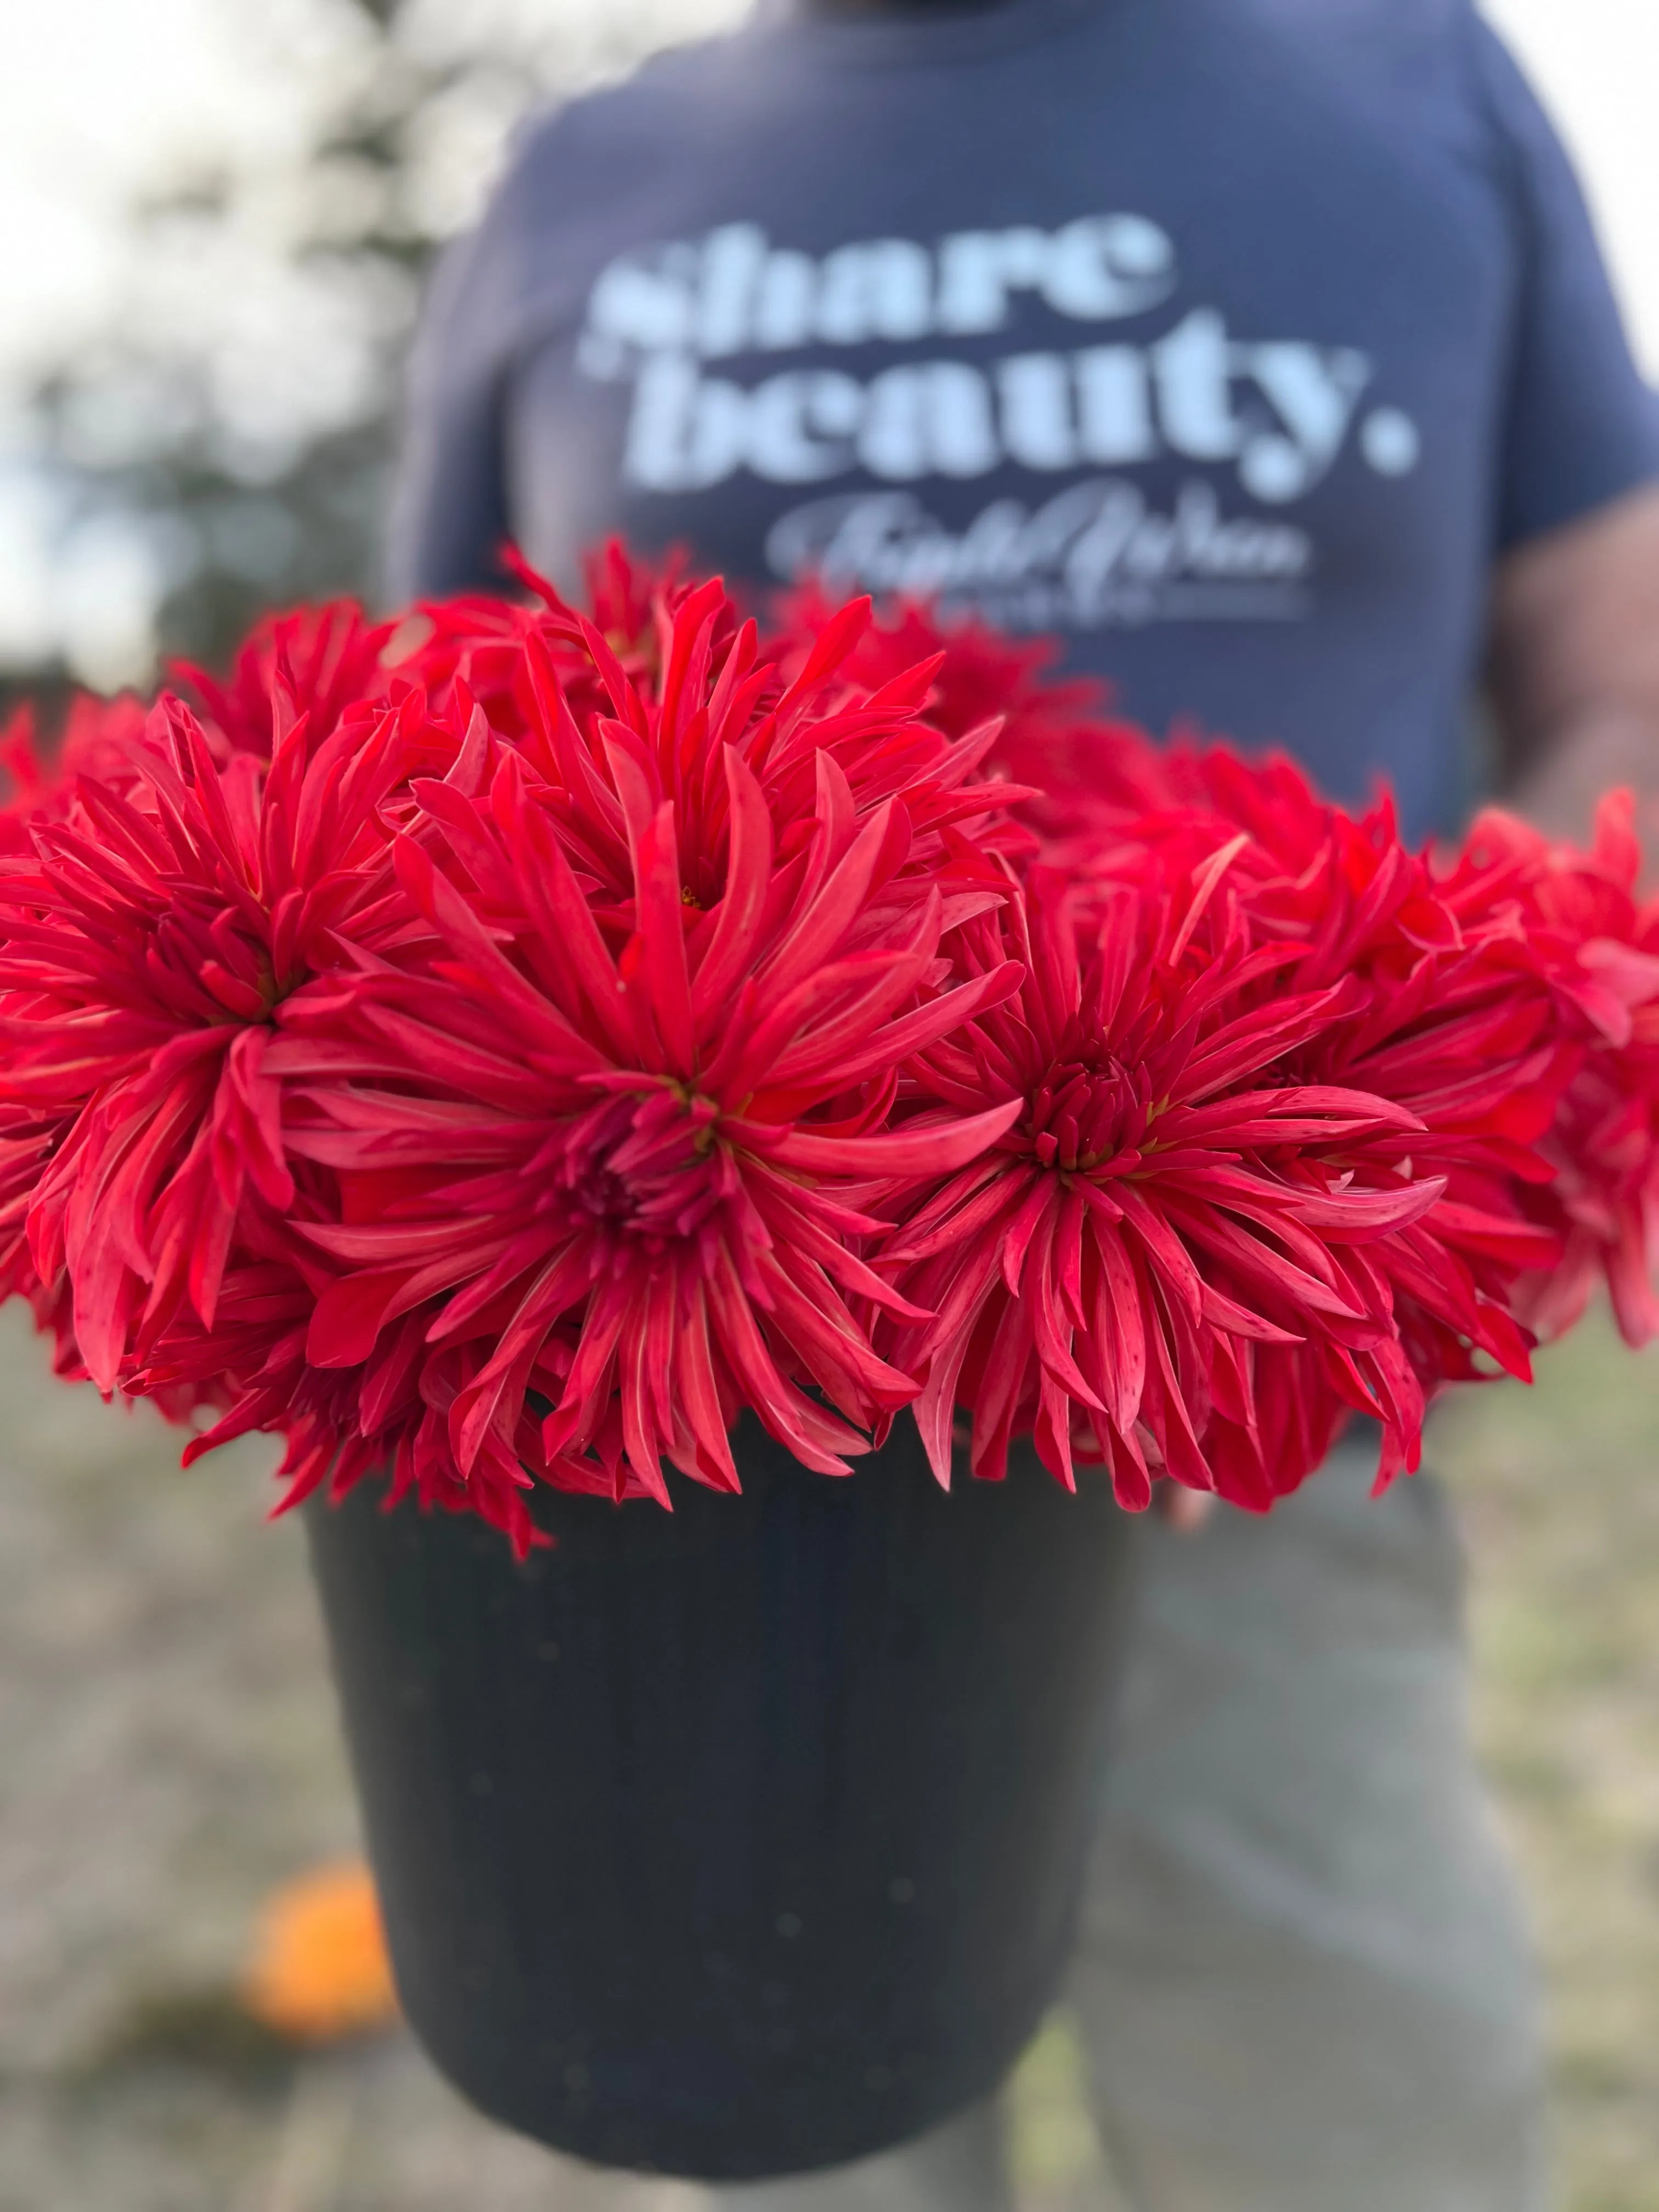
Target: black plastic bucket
[(738, 1840)]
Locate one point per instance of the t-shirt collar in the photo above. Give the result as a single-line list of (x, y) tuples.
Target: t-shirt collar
[(938, 34)]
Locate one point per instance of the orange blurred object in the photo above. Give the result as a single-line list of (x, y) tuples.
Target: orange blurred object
[(319, 1968)]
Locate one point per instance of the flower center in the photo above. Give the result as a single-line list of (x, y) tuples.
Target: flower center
[(1082, 1115), (643, 1168)]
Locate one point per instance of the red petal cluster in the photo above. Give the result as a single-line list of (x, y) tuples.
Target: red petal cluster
[(627, 1142), (1169, 1203), (506, 1043), (498, 1082), (151, 938), (1596, 943), (1496, 1000)]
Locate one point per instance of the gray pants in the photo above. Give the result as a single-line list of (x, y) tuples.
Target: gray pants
[(1302, 1977)]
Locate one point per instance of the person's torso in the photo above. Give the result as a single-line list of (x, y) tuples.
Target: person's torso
[(1179, 327)]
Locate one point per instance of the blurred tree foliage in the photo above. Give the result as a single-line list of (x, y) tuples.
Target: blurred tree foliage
[(236, 424)]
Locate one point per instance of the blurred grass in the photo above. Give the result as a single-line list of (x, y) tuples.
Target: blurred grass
[(1559, 1492)]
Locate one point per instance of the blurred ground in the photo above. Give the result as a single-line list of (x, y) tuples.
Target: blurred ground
[(168, 1752)]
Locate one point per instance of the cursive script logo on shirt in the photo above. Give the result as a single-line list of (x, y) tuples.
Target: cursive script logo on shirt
[(1272, 415)]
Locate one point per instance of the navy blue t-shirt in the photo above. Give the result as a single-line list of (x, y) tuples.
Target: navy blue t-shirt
[(1233, 340)]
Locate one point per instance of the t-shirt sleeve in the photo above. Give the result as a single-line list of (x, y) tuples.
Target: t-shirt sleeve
[(450, 510), (449, 499), (1581, 426)]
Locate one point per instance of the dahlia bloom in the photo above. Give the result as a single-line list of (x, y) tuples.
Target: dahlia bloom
[(148, 940), (1164, 1206), (826, 854), (95, 734), (1577, 921), (1557, 1186), (712, 686), (628, 1145), (1452, 1025)]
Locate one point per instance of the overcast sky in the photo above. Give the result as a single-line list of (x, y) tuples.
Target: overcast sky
[(1597, 64), (105, 100)]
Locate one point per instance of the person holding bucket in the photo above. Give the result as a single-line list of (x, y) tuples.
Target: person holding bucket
[(1260, 349)]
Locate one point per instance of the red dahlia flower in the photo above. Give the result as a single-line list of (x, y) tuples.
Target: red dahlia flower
[(1577, 921), (148, 945), (635, 1173), (1163, 1207), (1454, 1027)]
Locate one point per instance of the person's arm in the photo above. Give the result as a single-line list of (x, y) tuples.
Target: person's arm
[(1574, 667)]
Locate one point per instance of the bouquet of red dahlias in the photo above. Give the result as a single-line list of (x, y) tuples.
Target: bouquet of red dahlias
[(522, 1050), (500, 1047)]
